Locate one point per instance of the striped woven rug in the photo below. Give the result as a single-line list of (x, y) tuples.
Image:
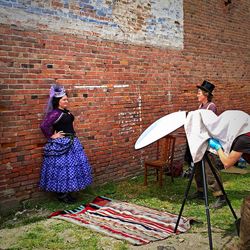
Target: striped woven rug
[(136, 224)]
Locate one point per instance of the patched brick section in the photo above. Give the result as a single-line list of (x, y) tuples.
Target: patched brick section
[(158, 23), (116, 90)]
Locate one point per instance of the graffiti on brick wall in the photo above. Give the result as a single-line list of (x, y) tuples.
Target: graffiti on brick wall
[(127, 121), (157, 23)]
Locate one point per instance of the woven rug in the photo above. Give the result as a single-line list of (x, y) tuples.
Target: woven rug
[(136, 224)]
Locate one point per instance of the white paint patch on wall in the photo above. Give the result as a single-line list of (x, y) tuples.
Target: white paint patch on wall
[(91, 87), (154, 22)]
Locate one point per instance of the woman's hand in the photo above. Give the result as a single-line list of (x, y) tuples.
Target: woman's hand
[(57, 135)]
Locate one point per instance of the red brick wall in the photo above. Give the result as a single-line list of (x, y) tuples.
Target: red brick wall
[(142, 84)]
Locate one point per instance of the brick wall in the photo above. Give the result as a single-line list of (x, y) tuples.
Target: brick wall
[(117, 89)]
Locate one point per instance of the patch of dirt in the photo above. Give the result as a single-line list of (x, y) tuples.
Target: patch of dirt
[(192, 240)]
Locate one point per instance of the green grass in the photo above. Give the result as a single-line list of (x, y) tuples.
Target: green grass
[(42, 233)]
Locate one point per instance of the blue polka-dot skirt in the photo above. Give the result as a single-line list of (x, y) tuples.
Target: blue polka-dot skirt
[(65, 166)]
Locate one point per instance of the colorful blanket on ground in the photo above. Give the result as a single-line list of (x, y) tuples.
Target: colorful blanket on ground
[(136, 224)]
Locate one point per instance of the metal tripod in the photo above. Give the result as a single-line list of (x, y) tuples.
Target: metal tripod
[(205, 158)]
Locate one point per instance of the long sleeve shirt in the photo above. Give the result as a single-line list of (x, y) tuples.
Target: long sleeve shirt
[(57, 120)]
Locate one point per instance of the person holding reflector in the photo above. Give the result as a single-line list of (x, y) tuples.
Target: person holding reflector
[(205, 96)]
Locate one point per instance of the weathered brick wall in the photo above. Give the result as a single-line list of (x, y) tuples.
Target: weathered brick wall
[(116, 89)]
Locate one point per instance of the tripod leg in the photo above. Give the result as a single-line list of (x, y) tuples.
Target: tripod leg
[(220, 184), (185, 196), (206, 204)]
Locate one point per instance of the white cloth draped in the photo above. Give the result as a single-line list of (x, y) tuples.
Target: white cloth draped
[(200, 125)]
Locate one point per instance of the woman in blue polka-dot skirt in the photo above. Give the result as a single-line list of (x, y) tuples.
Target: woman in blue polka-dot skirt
[(65, 166)]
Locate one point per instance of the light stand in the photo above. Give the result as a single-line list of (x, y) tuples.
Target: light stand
[(205, 157)]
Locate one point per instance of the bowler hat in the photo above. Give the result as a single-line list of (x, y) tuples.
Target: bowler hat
[(206, 86)]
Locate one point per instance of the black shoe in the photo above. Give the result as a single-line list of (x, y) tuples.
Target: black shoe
[(71, 198), (64, 197), (219, 203), (197, 195)]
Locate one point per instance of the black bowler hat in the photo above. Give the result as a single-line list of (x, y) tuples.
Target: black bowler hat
[(206, 86)]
